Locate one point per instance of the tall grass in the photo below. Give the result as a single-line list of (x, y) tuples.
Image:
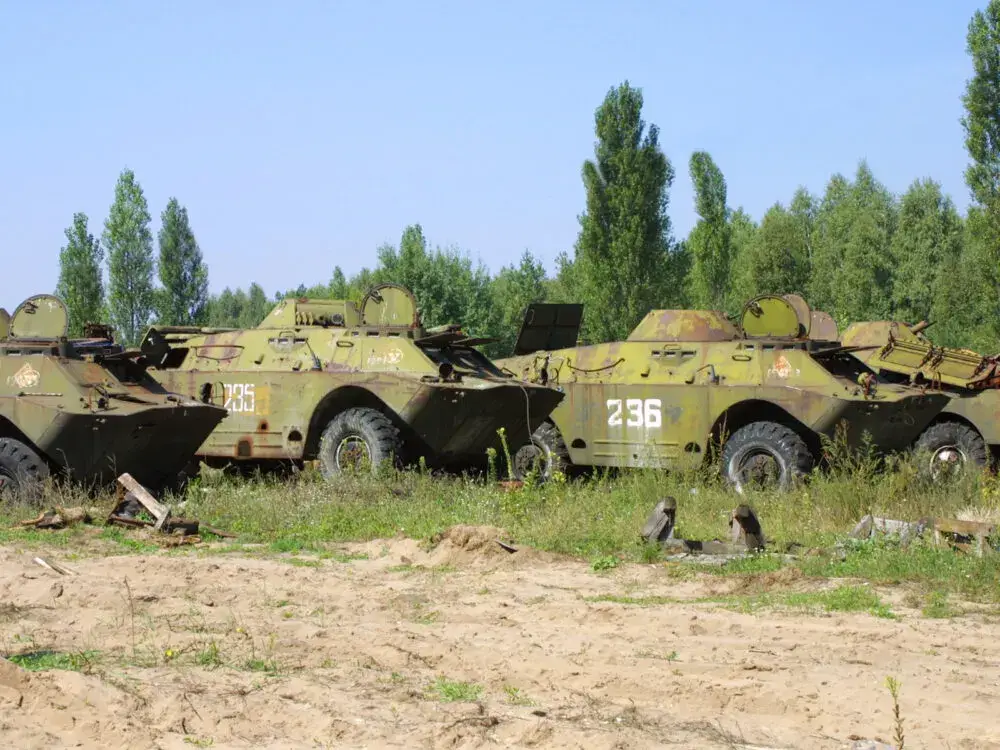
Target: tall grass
[(601, 515)]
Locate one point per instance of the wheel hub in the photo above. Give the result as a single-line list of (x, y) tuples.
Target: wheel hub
[(353, 453), (947, 461), (528, 457), (759, 468)]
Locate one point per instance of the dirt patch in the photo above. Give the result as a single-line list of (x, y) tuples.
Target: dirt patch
[(233, 652), (751, 584), (470, 546)]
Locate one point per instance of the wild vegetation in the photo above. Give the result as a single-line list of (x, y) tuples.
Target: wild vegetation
[(597, 517)]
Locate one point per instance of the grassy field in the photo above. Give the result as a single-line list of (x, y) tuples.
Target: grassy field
[(598, 517)]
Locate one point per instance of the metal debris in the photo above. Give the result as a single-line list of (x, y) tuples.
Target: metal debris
[(966, 536), (747, 536), (125, 513)]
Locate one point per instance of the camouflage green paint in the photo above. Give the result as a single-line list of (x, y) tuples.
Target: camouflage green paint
[(686, 377), (284, 381), (87, 408), (900, 352)]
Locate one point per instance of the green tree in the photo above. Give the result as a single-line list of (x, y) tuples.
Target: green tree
[(225, 309), (863, 286), (622, 253), (851, 274), (981, 124), (256, 307), (80, 285), (566, 285), (129, 244), (776, 260), (183, 273), (803, 209), (710, 240), (338, 284), (513, 289), (927, 243), (742, 241), (448, 287)]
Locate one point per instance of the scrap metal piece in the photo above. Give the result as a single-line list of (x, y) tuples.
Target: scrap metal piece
[(746, 528), (907, 531), (660, 524), (747, 534)]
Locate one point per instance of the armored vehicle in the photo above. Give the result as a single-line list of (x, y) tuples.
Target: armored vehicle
[(686, 382), (347, 384), (966, 434), (85, 409)]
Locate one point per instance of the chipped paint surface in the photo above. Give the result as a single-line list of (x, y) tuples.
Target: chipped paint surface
[(87, 409), (26, 377), (899, 352), (309, 360), (657, 398)]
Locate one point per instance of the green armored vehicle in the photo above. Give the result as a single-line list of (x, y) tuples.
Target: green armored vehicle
[(686, 381), (966, 433), (85, 409), (347, 384)]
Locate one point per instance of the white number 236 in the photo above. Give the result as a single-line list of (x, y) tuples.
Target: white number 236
[(641, 412)]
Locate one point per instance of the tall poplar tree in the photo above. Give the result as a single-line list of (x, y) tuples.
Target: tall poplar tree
[(80, 285), (625, 236), (710, 241), (183, 300), (129, 244)]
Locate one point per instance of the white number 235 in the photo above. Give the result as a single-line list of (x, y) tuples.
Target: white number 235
[(641, 412), (239, 397)]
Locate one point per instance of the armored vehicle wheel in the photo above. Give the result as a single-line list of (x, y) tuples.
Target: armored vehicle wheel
[(952, 446), (546, 453), (22, 471), (357, 438), (765, 453)]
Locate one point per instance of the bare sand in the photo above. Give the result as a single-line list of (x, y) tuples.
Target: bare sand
[(346, 655)]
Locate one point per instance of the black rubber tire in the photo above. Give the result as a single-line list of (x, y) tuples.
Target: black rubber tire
[(548, 449), (971, 446), (22, 470), (785, 446), (379, 436)]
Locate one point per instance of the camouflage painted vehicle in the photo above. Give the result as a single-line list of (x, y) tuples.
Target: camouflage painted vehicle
[(687, 381), (84, 408), (967, 431), (342, 383)]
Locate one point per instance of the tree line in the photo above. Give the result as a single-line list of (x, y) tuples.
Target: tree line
[(857, 250)]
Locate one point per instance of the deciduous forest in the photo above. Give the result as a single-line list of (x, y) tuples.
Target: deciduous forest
[(857, 250)]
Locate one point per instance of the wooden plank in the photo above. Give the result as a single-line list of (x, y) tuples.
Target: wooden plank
[(160, 512), (977, 530), (965, 528)]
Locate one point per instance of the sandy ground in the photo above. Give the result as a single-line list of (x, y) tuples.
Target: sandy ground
[(346, 655)]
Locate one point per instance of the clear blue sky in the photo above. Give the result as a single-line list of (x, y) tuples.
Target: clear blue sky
[(301, 135)]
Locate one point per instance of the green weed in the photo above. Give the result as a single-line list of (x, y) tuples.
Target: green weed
[(450, 691)]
